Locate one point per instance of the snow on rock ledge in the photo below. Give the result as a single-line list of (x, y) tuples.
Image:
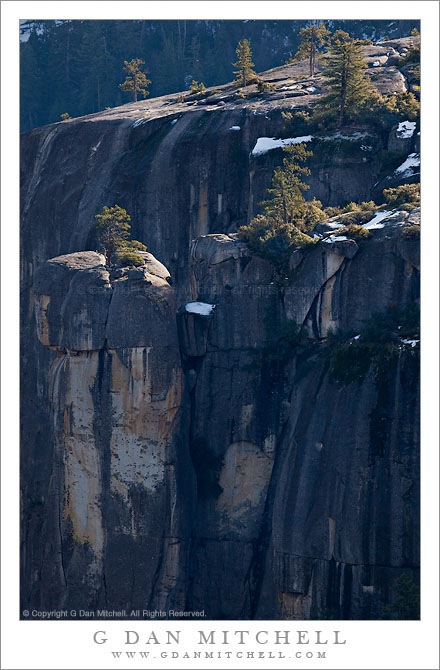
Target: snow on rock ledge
[(406, 129), (201, 308), (407, 167), (265, 144)]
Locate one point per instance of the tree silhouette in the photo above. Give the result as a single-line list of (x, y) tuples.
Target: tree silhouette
[(136, 81), (312, 38), (244, 63), (349, 87)]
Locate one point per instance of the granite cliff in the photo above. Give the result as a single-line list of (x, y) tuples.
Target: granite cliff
[(190, 437)]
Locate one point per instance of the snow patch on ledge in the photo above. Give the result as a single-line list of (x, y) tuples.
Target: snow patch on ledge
[(406, 129), (265, 144), (202, 308), (376, 221), (338, 238), (411, 342), (411, 162), (235, 128)]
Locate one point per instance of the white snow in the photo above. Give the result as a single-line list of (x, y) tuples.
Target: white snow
[(235, 128), (333, 225), (376, 63), (356, 337), (173, 122), (337, 238), (411, 342), (289, 88), (265, 144), (312, 89), (406, 129), (375, 222), (203, 308), (365, 147), (412, 161)]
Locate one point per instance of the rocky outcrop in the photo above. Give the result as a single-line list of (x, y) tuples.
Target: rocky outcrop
[(238, 477), (198, 454), (118, 421)]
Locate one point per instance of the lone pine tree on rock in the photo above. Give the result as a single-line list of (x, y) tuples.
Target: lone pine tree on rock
[(287, 216), (113, 233), (349, 87), (136, 81), (312, 38), (244, 63)]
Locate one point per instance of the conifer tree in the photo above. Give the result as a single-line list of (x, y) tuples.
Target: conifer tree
[(287, 186), (349, 87), (312, 38), (136, 80), (112, 227), (244, 63), (113, 233), (287, 216)]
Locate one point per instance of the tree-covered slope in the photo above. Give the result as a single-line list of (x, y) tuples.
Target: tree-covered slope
[(76, 66)]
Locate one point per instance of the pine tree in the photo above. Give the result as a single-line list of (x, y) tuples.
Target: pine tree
[(349, 86), (136, 80), (195, 87), (286, 217), (312, 38), (112, 227), (244, 63), (287, 186), (113, 233)]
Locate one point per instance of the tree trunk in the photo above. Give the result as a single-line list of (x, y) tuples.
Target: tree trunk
[(284, 207), (342, 108), (343, 94)]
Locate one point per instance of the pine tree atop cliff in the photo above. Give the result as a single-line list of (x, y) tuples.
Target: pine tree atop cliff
[(244, 63), (312, 38), (136, 81), (287, 186), (113, 233), (349, 86), (287, 216)]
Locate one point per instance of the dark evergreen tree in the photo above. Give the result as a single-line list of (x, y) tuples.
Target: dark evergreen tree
[(312, 38), (287, 216), (113, 233), (349, 87), (136, 81), (244, 63)]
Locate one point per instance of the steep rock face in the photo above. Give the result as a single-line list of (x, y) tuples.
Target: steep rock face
[(236, 477), (119, 424), (181, 168), (112, 381), (299, 465)]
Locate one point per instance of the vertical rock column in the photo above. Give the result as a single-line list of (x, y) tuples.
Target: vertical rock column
[(116, 391)]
